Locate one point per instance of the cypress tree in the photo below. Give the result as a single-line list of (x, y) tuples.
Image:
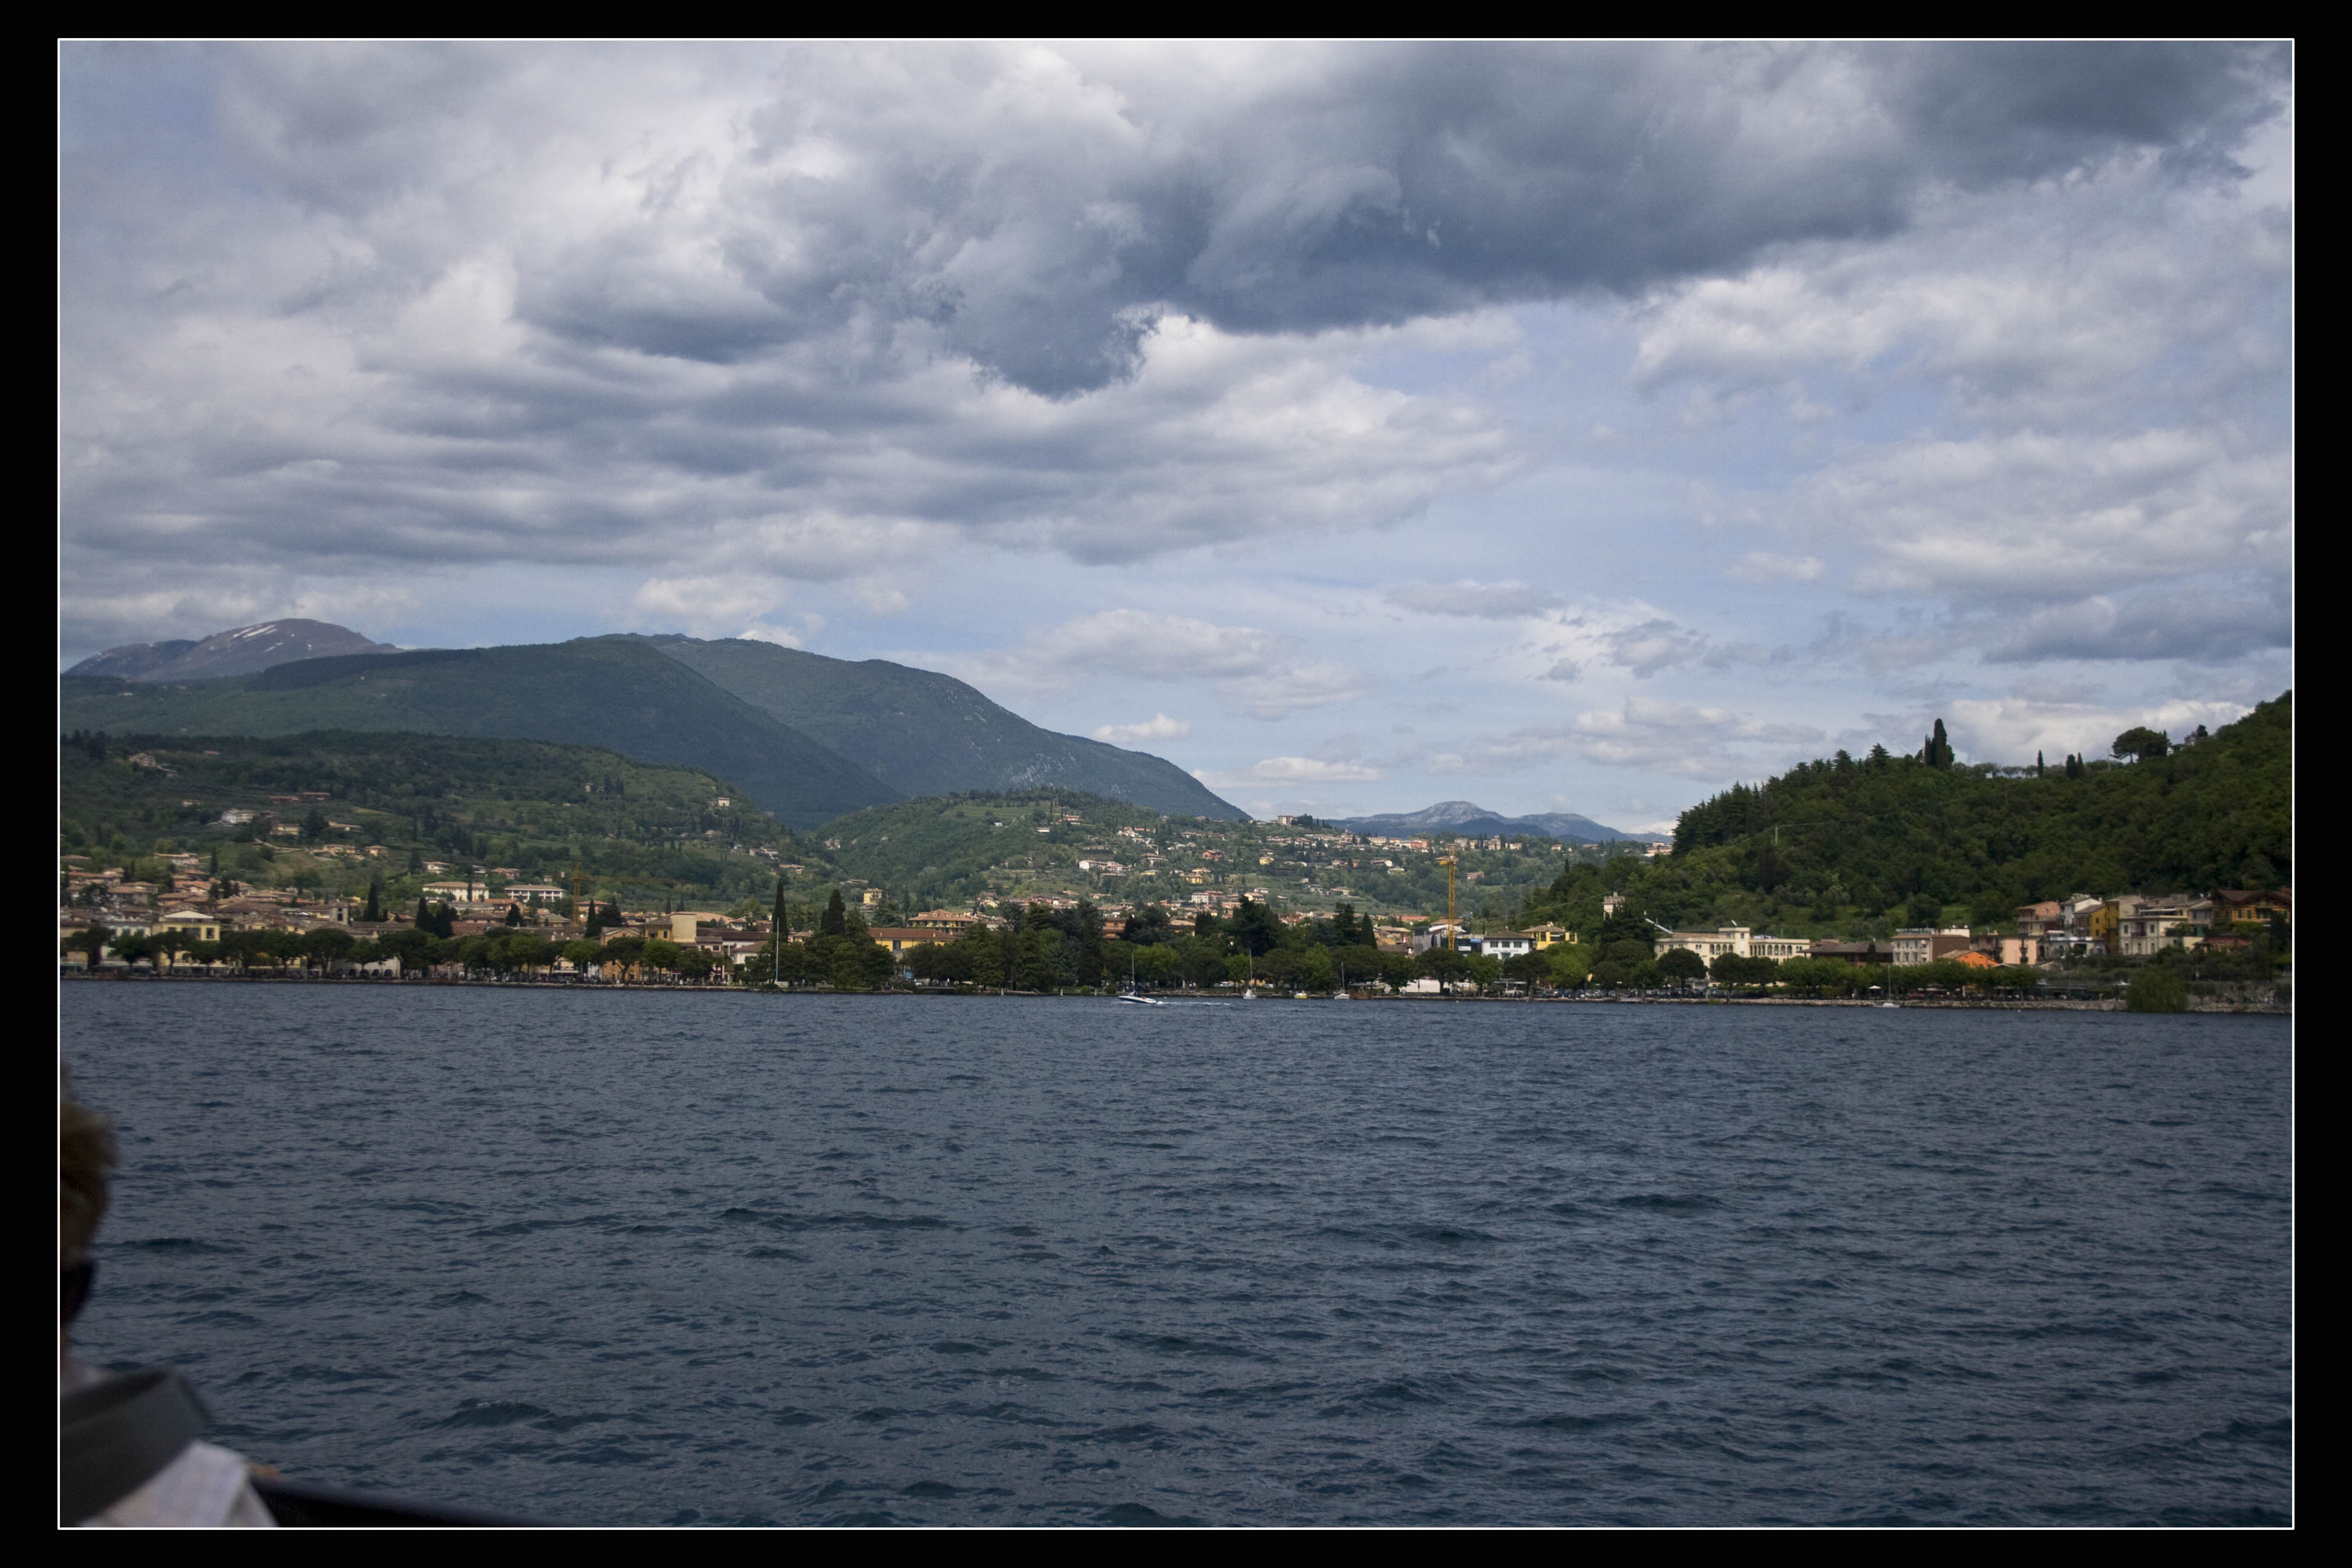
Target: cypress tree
[(374, 911), (835, 919), (2037, 765), (780, 926)]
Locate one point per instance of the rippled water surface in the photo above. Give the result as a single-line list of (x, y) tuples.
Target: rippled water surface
[(724, 1258)]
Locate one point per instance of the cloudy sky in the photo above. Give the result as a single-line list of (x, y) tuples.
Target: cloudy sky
[(1577, 428)]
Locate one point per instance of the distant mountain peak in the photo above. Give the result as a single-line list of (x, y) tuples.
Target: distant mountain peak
[(240, 650)]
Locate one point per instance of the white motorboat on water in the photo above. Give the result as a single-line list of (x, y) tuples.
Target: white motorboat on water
[(1134, 1000)]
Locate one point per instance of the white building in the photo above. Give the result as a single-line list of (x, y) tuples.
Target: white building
[(1738, 941), (1505, 943)]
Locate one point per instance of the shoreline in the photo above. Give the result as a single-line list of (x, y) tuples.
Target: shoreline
[(1946, 1003)]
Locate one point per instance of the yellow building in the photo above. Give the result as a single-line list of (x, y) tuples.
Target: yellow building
[(1551, 936), (898, 939)]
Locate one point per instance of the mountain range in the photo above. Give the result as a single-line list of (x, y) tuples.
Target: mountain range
[(806, 738), (242, 650), (1470, 820)]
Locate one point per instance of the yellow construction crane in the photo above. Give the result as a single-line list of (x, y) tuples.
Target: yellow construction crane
[(1451, 945), (579, 912)]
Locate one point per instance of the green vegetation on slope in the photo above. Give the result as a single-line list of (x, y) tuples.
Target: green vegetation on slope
[(924, 734), (644, 835), (617, 694), (951, 849), (1861, 846)]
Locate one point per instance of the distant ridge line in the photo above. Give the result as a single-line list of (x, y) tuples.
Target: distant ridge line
[(1472, 820)]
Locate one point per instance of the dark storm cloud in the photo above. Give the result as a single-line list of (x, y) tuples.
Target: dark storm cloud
[(1397, 182), (349, 311)]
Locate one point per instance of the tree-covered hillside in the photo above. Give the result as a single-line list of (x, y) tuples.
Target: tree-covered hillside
[(1862, 846), (617, 693), (644, 835), (924, 734)]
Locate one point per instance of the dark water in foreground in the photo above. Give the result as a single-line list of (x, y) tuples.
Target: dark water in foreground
[(720, 1259)]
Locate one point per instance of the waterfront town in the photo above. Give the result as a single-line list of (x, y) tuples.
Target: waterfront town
[(426, 919)]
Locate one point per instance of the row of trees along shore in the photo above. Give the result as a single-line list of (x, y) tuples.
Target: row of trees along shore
[(1048, 950)]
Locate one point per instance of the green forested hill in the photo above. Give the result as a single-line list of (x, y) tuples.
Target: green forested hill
[(924, 734), (615, 693), (644, 834), (1862, 846)]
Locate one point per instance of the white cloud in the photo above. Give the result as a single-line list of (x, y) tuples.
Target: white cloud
[(780, 636), (1159, 727), (2037, 516), (2011, 730), (879, 598), (1653, 645), (1279, 693), (1293, 771), (1488, 601), (1257, 671), (704, 607), (1691, 740), (1757, 566), (1147, 644)]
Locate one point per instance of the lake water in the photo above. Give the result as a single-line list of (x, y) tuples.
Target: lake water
[(720, 1259)]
